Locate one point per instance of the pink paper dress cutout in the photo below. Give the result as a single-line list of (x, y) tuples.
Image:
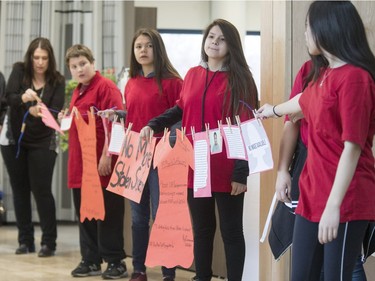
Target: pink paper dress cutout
[(171, 238)]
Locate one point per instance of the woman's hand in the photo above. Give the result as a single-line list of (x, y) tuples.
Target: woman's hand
[(30, 95), (238, 188), (35, 111)]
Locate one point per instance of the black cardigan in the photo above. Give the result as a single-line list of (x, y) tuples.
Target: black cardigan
[(37, 134)]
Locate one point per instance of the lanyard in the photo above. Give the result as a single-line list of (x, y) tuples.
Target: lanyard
[(207, 84)]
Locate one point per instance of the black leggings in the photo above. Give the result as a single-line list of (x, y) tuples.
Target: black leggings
[(338, 257), (230, 210)]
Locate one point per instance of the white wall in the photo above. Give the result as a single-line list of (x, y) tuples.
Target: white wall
[(197, 14)]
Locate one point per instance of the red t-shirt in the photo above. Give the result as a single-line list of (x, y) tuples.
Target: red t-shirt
[(342, 109), (144, 102), (191, 104), (297, 89), (103, 94)]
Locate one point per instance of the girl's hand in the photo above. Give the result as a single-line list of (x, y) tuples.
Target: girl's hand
[(238, 188), (295, 117), (146, 133), (104, 167), (265, 112), (329, 224), (109, 113), (283, 186)]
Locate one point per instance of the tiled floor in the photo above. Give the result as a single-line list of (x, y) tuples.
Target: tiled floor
[(31, 268)]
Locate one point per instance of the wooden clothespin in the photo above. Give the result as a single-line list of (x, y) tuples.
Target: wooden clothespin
[(229, 123), (192, 132), (129, 128), (122, 122), (66, 110), (207, 125), (92, 111), (151, 136), (165, 133), (219, 124), (238, 120), (254, 111), (114, 119), (75, 112), (183, 132)]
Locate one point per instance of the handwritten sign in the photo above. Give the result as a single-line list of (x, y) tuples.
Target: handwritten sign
[(171, 238), (92, 202), (133, 164)]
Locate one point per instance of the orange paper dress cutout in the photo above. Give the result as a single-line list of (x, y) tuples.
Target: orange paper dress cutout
[(171, 238), (132, 167), (92, 202)]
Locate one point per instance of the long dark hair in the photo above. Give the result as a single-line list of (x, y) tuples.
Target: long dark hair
[(162, 66), (240, 79), (338, 29), (52, 75)]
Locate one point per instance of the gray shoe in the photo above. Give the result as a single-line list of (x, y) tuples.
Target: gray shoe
[(86, 269), (115, 270)]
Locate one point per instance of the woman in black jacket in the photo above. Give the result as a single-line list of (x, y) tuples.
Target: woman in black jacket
[(30, 155)]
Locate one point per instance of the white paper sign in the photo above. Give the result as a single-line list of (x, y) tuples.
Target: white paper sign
[(66, 122), (117, 138), (234, 143), (257, 145)]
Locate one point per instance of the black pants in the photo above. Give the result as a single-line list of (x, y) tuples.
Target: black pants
[(32, 172), (338, 257), (230, 209), (102, 240)]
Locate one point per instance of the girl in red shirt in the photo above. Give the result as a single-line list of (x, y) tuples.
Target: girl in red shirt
[(153, 87), (217, 88), (337, 195)]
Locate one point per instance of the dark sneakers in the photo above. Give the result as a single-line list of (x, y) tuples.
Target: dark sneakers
[(46, 252), (138, 276), (86, 269), (115, 270), (168, 278), (24, 249)]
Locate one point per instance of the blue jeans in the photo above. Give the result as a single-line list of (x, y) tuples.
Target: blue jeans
[(141, 223)]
